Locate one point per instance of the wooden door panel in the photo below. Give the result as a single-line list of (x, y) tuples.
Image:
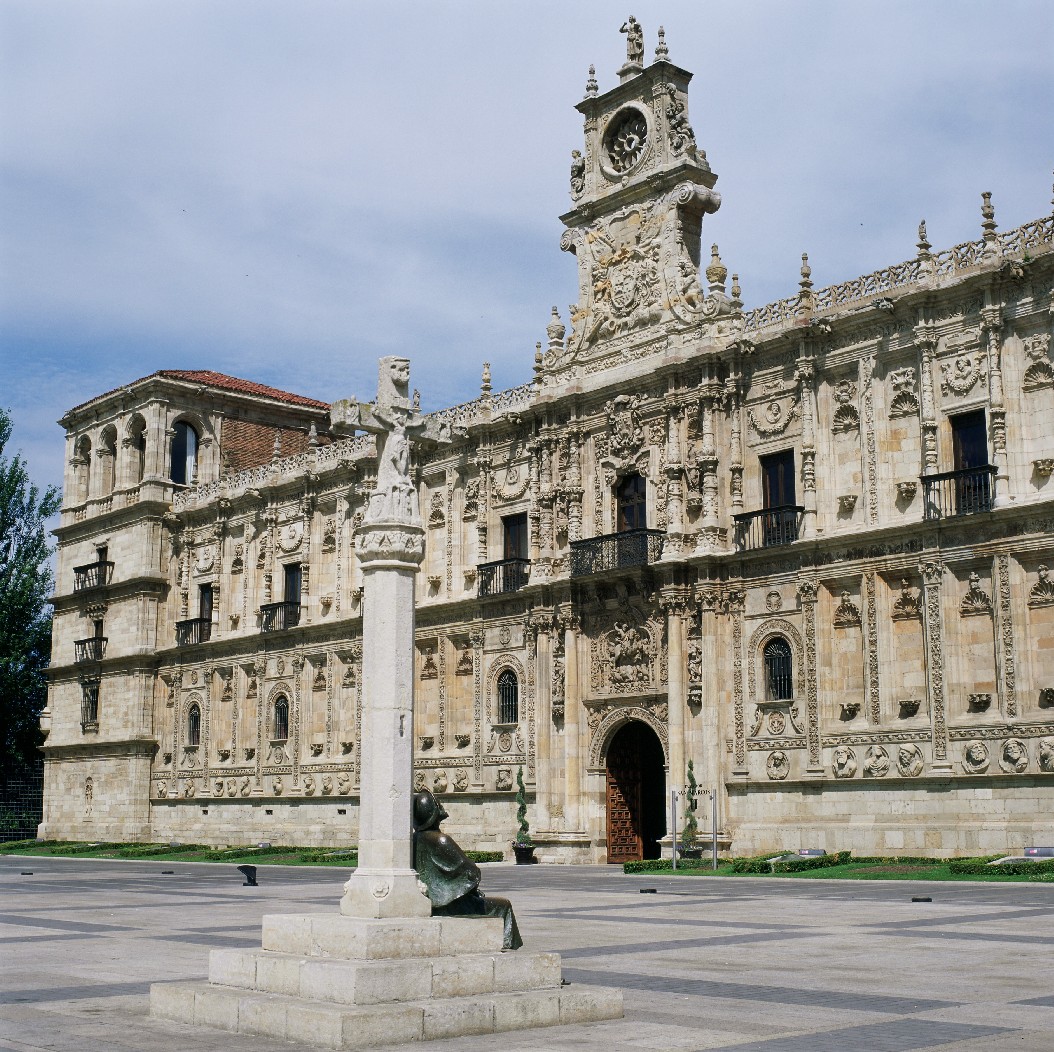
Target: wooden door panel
[(625, 843)]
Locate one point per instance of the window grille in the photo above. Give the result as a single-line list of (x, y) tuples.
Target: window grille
[(194, 725), (281, 719), (90, 705), (508, 697), (778, 679)]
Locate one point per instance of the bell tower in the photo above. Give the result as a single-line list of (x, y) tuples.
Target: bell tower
[(640, 188)]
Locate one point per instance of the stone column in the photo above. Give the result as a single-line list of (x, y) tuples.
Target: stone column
[(385, 883), (807, 592), (542, 625), (806, 374), (926, 341), (992, 326), (572, 707), (932, 571), (677, 694)]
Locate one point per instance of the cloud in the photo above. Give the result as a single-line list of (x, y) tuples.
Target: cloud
[(286, 191)]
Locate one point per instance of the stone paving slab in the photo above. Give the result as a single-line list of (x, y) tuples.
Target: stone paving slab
[(707, 963)]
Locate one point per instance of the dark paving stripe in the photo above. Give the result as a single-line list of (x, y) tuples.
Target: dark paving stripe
[(963, 918), (232, 942), (1047, 1001), (667, 945), (900, 1035), (71, 993), (785, 995), (22, 939), (19, 921), (967, 936), (678, 921)]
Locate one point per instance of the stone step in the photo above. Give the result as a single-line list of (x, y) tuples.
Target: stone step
[(357, 938), (314, 1022), (365, 982)]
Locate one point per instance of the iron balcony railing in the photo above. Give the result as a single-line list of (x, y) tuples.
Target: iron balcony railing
[(504, 575), (277, 617), (91, 649), (768, 527), (193, 630), (615, 551), (964, 492), (93, 575)]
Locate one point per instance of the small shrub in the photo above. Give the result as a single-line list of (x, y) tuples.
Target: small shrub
[(804, 862), (980, 867), (485, 856)]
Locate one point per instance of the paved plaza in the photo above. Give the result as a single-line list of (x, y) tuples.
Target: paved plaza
[(772, 965)]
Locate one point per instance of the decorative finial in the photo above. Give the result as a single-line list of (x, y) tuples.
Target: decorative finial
[(987, 215), (923, 244), (737, 294), (1052, 197), (806, 273), (555, 331), (539, 362), (716, 272), (484, 387), (276, 453), (312, 436), (662, 52), (591, 84)]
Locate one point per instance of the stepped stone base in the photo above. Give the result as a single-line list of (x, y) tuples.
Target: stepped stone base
[(345, 982)]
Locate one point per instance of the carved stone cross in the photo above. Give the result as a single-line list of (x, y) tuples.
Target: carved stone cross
[(390, 545)]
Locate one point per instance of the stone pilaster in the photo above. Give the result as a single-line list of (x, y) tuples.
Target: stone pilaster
[(675, 604), (573, 747), (807, 595), (932, 571)]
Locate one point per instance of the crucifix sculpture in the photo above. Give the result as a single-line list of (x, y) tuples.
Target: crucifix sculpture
[(390, 545)]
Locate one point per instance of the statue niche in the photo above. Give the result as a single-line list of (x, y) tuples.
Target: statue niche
[(624, 659)]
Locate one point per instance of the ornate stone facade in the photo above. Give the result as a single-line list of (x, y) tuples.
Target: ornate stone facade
[(827, 659)]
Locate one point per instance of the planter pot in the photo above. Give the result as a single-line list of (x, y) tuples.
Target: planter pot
[(524, 854)]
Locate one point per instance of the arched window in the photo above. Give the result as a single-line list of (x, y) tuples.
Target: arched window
[(281, 718), (82, 469), (184, 454), (137, 449), (779, 682), (108, 456), (194, 725), (632, 499), (508, 697)]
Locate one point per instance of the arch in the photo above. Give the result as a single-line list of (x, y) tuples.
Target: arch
[(183, 449), (81, 469), (635, 793), (776, 626), (135, 441), (508, 697), (107, 454), (612, 721), (193, 724), (503, 663)]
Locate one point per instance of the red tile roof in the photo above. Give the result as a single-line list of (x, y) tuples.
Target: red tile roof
[(232, 383)]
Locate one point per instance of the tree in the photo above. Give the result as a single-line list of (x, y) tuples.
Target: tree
[(691, 823), (25, 616)]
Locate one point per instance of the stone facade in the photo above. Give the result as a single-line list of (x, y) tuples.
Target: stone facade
[(805, 545)]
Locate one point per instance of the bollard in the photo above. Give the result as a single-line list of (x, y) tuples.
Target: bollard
[(249, 873)]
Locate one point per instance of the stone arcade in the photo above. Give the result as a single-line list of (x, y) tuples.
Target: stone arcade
[(806, 545)]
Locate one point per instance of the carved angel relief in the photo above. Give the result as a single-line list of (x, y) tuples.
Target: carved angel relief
[(905, 400), (1038, 373)]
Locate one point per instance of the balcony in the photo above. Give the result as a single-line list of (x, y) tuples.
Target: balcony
[(93, 575), (91, 649), (277, 617), (505, 575), (769, 527), (954, 493), (616, 551), (193, 630)]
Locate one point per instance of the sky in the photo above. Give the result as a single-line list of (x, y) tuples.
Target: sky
[(285, 191)]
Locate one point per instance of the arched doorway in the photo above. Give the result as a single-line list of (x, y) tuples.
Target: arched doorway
[(636, 794)]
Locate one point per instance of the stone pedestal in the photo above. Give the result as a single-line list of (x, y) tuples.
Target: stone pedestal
[(352, 982)]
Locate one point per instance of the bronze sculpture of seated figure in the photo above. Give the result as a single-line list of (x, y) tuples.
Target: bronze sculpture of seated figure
[(451, 878)]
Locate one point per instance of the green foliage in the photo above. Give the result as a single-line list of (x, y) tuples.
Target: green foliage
[(656, 865), (25, 618), (523, 834), (804, 862), (691, 825), (982, 867), (484, 856)]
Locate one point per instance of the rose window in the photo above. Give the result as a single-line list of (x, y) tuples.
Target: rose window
[(626, 141)]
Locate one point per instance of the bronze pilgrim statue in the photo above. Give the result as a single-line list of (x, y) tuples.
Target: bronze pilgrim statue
[(451, 878)]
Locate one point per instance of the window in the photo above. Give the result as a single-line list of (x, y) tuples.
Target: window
[(508, 697), (294, 579), (632, 500), (969, 440), (515, 536), (108, 455), (281, 718), (82, 469), (777, 479), (205, 595), (779, 684), (194, 725), (89, 705), (184, 454)]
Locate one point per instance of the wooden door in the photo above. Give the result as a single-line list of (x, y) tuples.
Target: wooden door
[(624, 798)]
